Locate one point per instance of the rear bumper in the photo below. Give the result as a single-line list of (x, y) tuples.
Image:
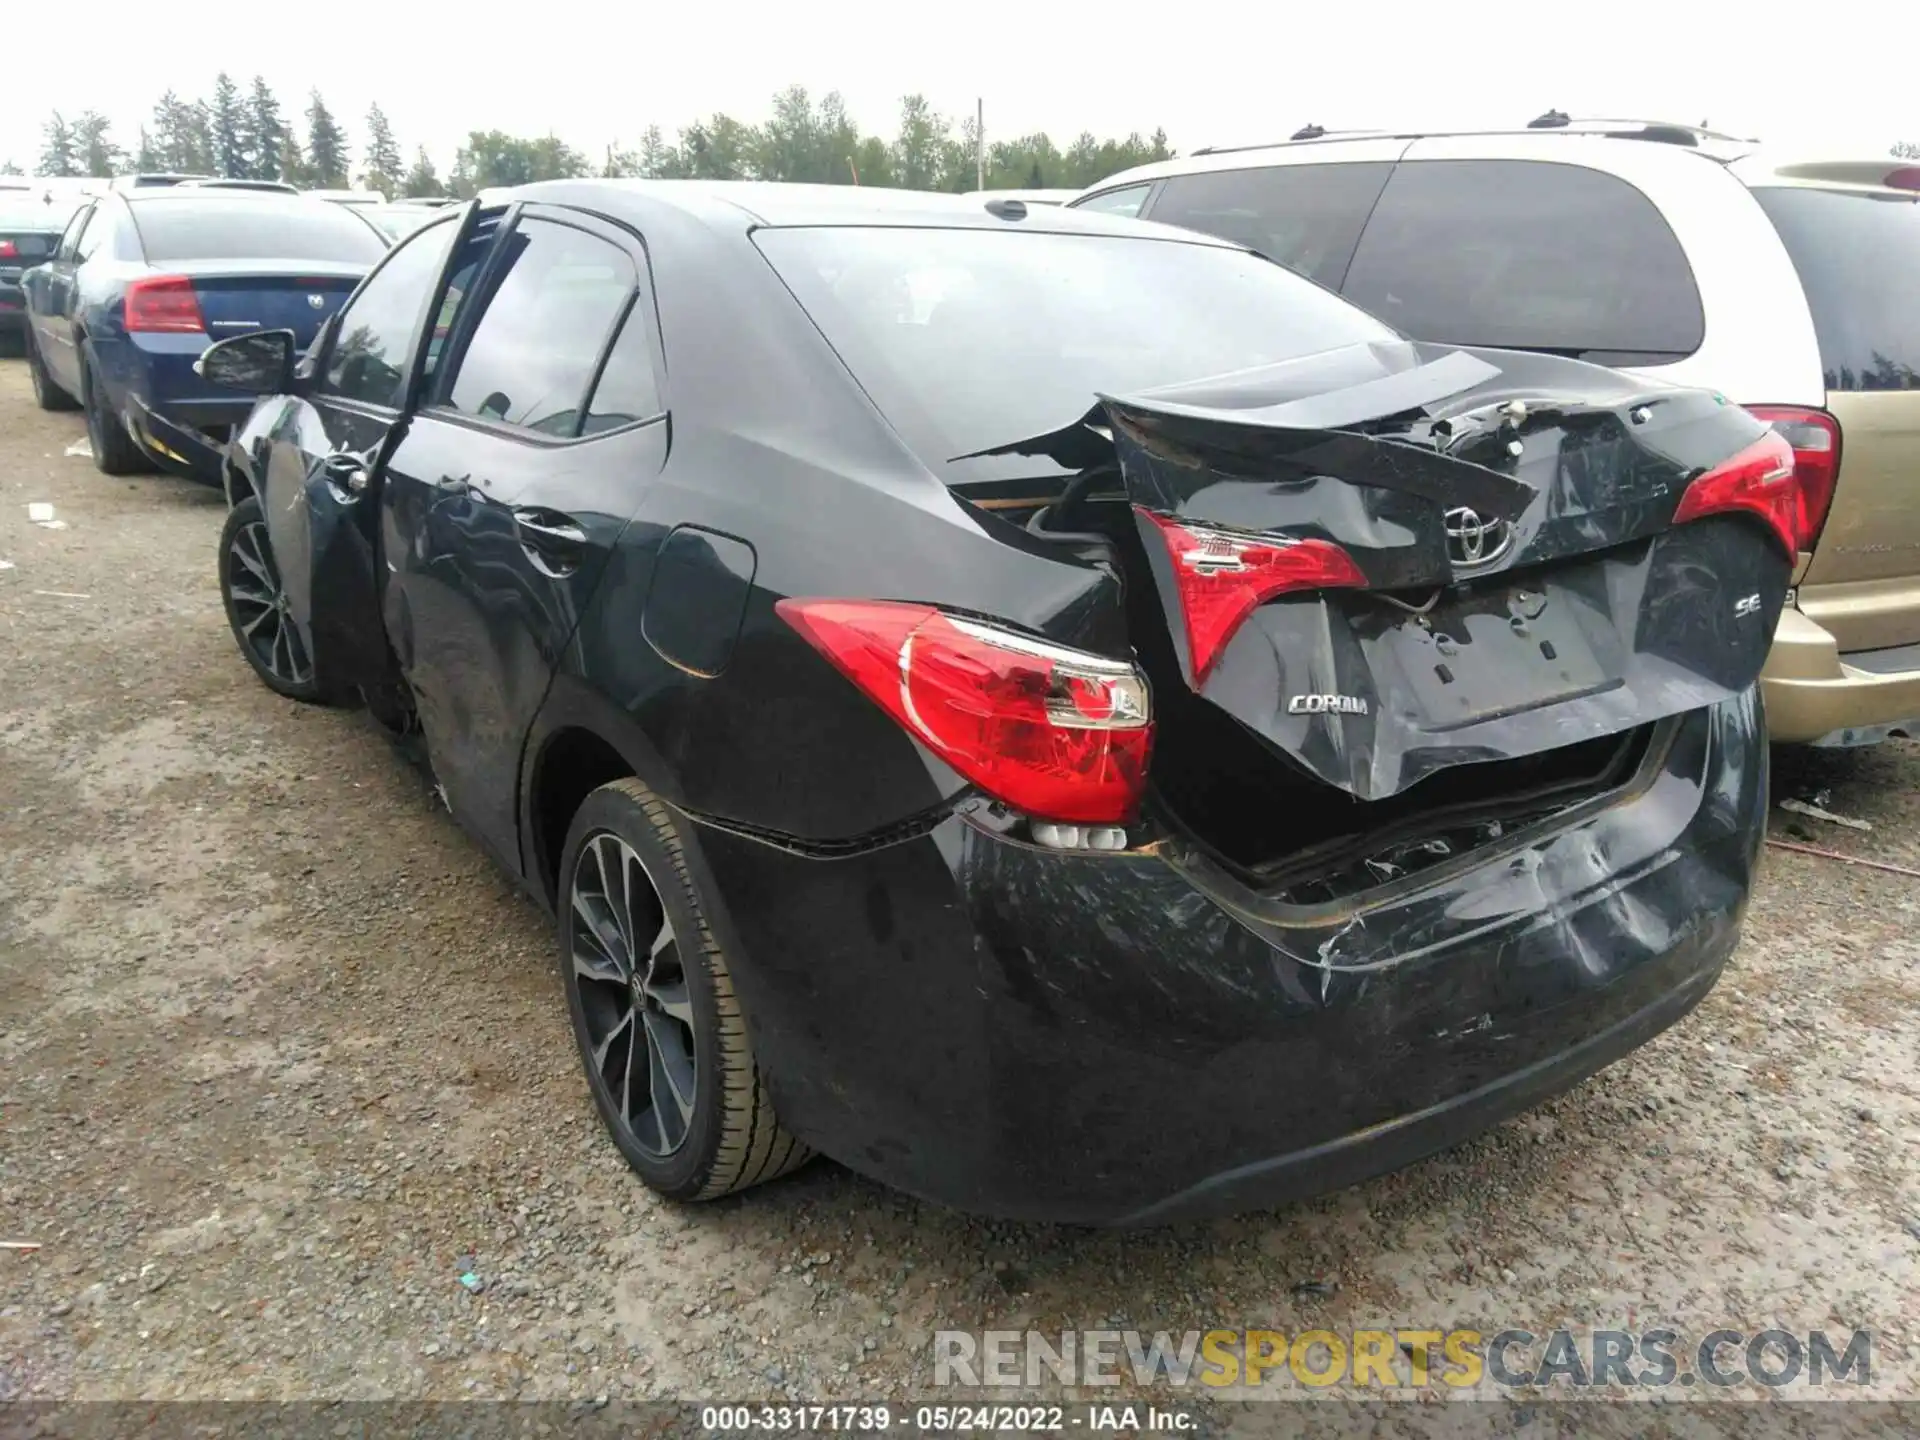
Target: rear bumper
[(1817, 695), (1133, 1039), (174, 432), (13, 309)]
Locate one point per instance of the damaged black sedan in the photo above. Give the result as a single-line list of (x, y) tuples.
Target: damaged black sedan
[(1063, 716)]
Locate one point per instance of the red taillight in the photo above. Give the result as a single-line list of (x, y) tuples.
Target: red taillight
[(163, 304), (1056, 733), (1760, 481), (1223, 576), (1815, 438), (8, 250)]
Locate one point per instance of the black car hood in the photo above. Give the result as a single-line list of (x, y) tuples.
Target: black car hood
[(1585, 612)]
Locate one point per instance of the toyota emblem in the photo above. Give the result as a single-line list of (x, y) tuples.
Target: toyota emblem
[(316, 301), (1472, 541)]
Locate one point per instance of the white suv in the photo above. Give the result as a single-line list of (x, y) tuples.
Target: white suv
[(1790, 285)]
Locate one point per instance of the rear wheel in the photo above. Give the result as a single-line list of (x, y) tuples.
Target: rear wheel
[(256, 603), (46, 394), (655, 1016), (114, 451)]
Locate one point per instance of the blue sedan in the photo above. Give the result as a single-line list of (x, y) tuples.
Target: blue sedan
[(143, 281)]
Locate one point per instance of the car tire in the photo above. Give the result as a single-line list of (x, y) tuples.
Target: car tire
[(255, 601), (114, 450), (683, 1021), (46, 394)]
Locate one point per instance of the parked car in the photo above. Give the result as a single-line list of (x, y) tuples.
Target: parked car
[(396, 220), (155, 180), (348, 197), (1104, 810), (264, 187), (139, 283), (1784, 281), (30, 226)]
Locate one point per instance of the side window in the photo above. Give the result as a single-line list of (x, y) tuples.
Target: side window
[(372, 339), (70, 237), (629, 388), (92, 231), (543, 328), (1529, 255), (1308, 217), (1117, 202)]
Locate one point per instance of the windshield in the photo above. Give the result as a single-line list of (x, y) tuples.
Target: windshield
[(240, 227), (967, 339)]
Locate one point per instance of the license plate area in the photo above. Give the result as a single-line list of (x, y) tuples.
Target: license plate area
[(1481, 655)]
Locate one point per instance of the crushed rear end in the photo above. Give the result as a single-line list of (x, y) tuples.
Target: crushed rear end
[(1388, 758)]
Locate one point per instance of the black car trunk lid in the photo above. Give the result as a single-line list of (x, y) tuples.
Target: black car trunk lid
[(1389, 560)]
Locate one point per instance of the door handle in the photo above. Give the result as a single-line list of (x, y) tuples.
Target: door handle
[(347, 471), (553, 542), (542, 529)]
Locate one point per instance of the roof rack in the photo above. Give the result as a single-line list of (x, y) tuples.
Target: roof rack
[(1666, 131)]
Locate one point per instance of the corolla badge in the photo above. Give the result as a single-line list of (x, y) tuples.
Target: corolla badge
[(1473, 541), (317, 301)]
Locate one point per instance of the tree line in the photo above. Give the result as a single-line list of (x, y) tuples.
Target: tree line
[(245, 133)]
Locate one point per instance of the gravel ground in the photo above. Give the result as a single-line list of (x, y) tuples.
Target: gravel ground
[(282, 1058)]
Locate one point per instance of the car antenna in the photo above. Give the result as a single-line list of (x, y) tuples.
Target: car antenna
[(1308, 131), (1552, 120), (1005, 209)]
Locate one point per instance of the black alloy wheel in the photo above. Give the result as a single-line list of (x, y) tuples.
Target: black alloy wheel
[(257, 609), (655, 1017)]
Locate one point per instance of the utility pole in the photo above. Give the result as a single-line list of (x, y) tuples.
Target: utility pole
[(979, 144)]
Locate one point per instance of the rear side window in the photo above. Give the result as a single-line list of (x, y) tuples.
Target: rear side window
[(1308, 217), (629, 387), (266, 228), (546, 324), (1118, 202), (1858, 255), (1528, 255)]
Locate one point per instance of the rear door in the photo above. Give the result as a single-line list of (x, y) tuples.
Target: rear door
[(323, 474), (1857, 251), (505, 496)]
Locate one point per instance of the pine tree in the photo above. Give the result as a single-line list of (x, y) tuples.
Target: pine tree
[(294, 168), (326, 146), (147, 157), (262, 131), (58, 155), (95, 153), (198, 140), (10, 166), (423, 181), (385, 168), (224, 122)]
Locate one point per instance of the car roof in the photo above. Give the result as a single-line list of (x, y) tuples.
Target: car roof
[(741, 205)]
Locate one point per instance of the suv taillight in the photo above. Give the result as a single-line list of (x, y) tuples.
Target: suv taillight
[(8, 250), (1815, 438), (163, 304), (1056, 733)]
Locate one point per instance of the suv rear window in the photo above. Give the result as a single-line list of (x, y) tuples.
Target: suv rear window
[(240, 227), (1858, 255), (1307, 217), (970, 339), (1527, 255)]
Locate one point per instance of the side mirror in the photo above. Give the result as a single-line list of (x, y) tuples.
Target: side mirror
[(260, 363)]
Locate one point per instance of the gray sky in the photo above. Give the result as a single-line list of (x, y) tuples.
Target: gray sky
[(1210, 72)]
